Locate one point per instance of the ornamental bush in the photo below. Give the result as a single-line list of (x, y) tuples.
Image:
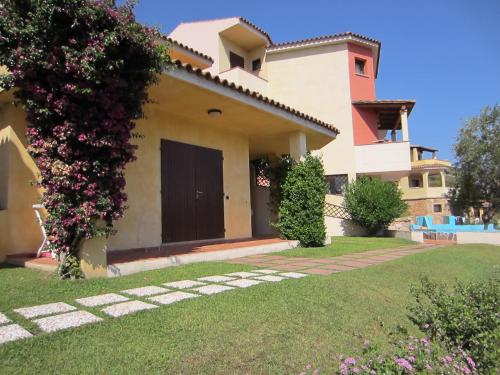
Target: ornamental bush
[(301, 210), (467, 316), (81, 69), (373, 203)]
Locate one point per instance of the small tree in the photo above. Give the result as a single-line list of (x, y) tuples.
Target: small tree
[(373, 203), (477, 169), (81, 69), (301, 210)]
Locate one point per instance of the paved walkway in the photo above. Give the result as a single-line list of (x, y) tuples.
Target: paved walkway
[(61, 315), (329, 265)]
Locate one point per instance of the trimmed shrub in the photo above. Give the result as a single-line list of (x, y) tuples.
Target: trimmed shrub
[(374, 204), (301, 210), (468, 316)]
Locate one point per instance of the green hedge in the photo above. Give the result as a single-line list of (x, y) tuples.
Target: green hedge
[(301, 211)]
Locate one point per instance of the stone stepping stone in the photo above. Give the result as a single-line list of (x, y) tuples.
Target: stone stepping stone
[(13, 332), (216, 279), (167, 299), (67, 320), (4, 319), (266, 272), (212, 289), (293, 275), (126, 308), (244, 283), (103, 299), (47, 309), (243, 274), (146, 291), (271, 278), (183, 284)]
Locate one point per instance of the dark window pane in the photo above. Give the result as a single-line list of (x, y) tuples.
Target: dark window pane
[(360, 66), (236, 60), (337, 184), (256, 64)]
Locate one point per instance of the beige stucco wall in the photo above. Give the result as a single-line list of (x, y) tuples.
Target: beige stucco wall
[(141, 224), (316, 81), (19, 231), (203, 37), (478, 237)]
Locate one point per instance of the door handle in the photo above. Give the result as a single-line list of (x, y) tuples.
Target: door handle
[(198, 194)]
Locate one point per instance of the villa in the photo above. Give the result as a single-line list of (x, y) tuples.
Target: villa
[(234, 96)]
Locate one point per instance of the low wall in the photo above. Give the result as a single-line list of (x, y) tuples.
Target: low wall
[(342, 227), (407, 235), (478, 237)]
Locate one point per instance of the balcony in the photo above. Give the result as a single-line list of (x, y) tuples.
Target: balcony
[(383, 158), (245, 79)]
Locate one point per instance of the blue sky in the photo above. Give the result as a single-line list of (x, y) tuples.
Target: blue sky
[(443, 54)]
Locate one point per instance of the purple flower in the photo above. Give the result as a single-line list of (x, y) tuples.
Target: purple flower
[(471, 363), (404, 363), (350, 361), (343, 369)]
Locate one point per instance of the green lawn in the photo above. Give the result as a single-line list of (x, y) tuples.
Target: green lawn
[(347, 245), (269, 328)]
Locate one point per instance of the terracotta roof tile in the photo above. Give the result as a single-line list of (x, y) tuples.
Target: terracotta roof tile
[(323, 38), (254, 95), (187, 48), (256, 28)]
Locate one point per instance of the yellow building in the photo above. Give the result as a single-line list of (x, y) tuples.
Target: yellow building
[(192, 177), (425, 187)]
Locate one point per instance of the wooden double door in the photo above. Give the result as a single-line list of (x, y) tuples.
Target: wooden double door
[(192, 192)]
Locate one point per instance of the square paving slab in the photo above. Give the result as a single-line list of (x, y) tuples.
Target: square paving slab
[(126, 308), (293, 275), (243, 274), (183, 284), (216, 279), (4, 319), (212, 289), (103, 299), (48, 309), (167, 299), (270, 278), (266, 272), (146, 291), (13, 332), (243, 283), (67, 320)]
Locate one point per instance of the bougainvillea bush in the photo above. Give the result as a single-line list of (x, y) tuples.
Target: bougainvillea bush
[(80, 69), (413, 355)]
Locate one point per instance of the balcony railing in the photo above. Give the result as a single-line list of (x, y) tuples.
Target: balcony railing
[(383, 157), (246, 79)]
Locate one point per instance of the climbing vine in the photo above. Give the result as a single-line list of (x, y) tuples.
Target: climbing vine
[(80, 69)]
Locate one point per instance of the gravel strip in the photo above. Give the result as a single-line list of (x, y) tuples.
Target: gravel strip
[(266, 272), (67, 320), (293, 275), (126, 308), (243, 274), (13, 332), (212, 289), (167, 299), (271, 278), (244, 283), (48, 309), (183, 284), (103, 299), (4, 319), (216, 279), (146, 291)]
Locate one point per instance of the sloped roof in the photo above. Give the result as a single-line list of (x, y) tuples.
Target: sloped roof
[(322, 38), (255, 95)]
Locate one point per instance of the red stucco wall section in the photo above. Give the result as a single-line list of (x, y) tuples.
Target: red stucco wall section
[(362, 88)]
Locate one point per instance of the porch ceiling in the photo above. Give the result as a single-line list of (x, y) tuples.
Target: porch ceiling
[(388, 111), (184, 95)]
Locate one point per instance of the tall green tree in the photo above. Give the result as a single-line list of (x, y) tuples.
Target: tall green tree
[(477, 167)]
